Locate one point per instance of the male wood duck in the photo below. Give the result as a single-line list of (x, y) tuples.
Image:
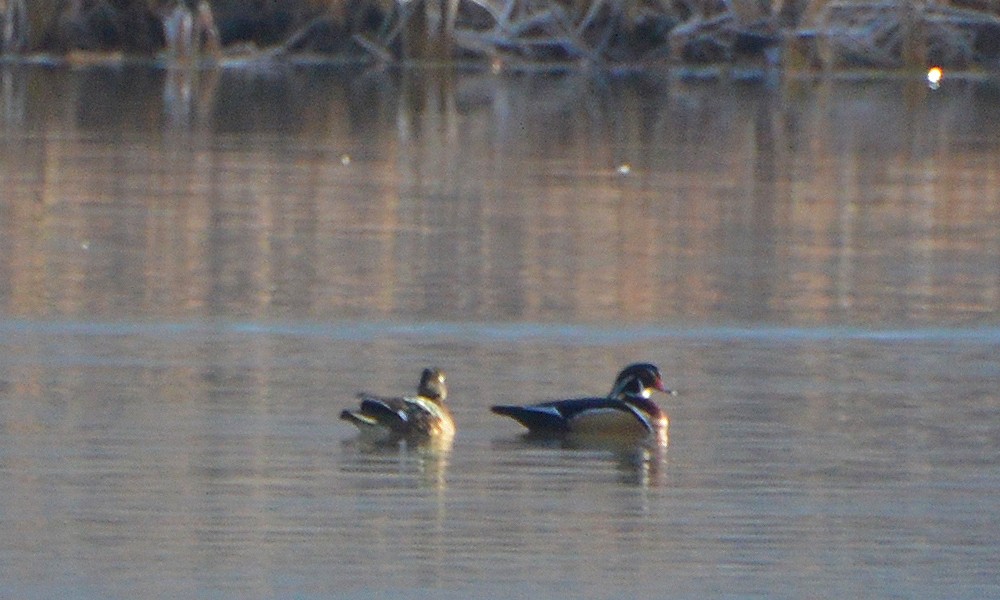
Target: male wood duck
[(626, 411), (412, 418)]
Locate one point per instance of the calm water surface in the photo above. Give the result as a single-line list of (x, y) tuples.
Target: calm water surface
[(198, 272)]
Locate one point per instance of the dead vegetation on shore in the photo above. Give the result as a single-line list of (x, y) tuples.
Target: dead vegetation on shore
[(791, 34)]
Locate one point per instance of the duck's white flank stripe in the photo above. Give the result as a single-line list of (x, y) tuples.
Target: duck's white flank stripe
[(425, 405), (641, 416)]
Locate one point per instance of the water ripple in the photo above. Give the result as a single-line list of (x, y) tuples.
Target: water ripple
[(577, 334)]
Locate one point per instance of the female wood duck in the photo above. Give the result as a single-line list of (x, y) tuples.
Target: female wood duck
[(412, 418), (626, 411)]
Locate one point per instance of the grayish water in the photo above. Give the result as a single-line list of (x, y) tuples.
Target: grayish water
[(196, 275)]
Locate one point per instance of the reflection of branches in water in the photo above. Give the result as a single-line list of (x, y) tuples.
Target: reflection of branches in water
[(189, 95), (13, 26), (13, 95), (427, 102)]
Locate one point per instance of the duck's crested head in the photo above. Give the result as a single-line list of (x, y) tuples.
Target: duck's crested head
[(639, 379), (432, 385)]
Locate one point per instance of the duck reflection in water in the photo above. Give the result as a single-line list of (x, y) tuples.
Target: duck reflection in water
[(405, 465), (643, 466), (635, 462)]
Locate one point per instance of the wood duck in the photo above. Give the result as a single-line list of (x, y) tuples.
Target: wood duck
[(627, 410), (413, 418)]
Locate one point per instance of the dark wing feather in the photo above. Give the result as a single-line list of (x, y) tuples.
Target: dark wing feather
[(555, 417), (390, 412), (535, 418)]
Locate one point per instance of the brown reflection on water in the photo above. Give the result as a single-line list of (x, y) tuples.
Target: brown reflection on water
[(331, 194)]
